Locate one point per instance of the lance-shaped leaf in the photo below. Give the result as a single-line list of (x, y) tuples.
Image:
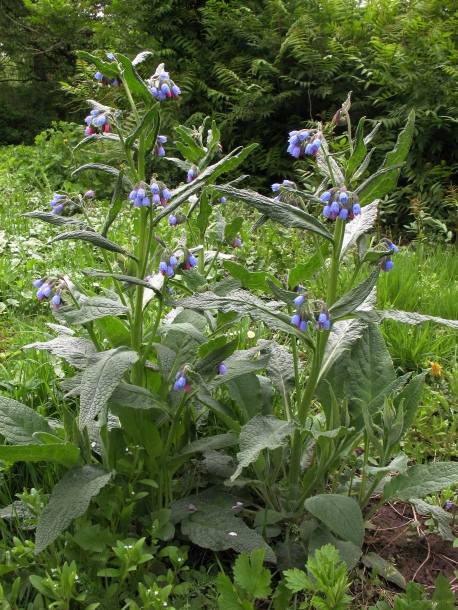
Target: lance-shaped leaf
[(359, 226), (69, 500), (75, 350), (283, 213), (246, 391), (106, 68), (218, 530), (149, 120), (18, 423), (242, 302), (359, 151), (304, 271), (131, 77), (341, 514), (385, 569), (213, 353), (406, 317), (189, 148), (66, 454), (362, 168), (408, 400), (100, 167), (141, 57), (420, 480), (95, 239), (219, 441), (115, 206), (280, 368), (92, 309), (59, 221), (439, 514), (258, 434), (184, 328), (127, 279), (356, 364), (100, 379), (379, 184), (135, 397), (355, 297), (208, 176), (97, 137), (219, 228), (253, 280), (236, 368)]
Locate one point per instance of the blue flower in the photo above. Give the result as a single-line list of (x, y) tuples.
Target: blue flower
[(299, 300), (343, 197), (173, 220), (162, 267), (327, 211), (356, 210), (160, 151), (222, 369), (146, 202), (133, 195), (173, 260), (192, 260), (393, 247), (323, 321), (37, 283), (303, 325), (46, 290), (170, 271), (176, 91), (138, 202), (156, 199), (326, 196), (162, 139), (141, 192), (223, 200), (56, 300), (154, 188), (295, 320), (335, 207), (98, 76), (387, 264), (343, 214), (166, 194), (275, 187)]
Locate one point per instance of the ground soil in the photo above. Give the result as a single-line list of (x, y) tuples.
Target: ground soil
[(416, 552)]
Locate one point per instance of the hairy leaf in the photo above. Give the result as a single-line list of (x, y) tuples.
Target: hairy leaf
[(18, 422), (341, 514), (420, 480), (61, 453), (59, 221), (75, 350), (95, 239), (92, 309)]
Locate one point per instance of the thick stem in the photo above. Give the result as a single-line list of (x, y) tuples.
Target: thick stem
[(155, 324)]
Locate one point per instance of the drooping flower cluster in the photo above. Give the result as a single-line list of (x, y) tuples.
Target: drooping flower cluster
[(387, 263), (181, 381), (305, 313), (96, 121), (168, 262), (61, 202), (190, 260), (287, 192), (140, 196), (176, 219), (304, 142), (161, 86), (339, 203), (105, 80), (46, 287), (158, 149)]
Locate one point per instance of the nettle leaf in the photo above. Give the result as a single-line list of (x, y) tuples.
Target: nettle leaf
[(420, 480), (75, 350), (405, 317), (95, 239), (242, 302), (360, 348), (355, 297), (69, 500), (439, 514), (100, 379), (217, 530), (359, 226), (258, 434), (304, 271), (66, 454), (287, 215), (127, 279), (252, 280), (340, 514), (359, 151), (91, 309), (18, 423), (59, 221)]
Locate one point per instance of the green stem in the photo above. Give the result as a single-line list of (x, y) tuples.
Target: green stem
[(137, 326), (297, 378), (350, 141), (128, 154), (201, 261), (364, 473), (215, 258), (355, 275), (155, 324), (131, 100), (320, 255)]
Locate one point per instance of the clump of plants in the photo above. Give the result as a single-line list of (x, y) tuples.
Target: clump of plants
[(171, 437)]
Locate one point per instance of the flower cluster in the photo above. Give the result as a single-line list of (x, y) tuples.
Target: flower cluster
[(304, 313), (158, 148), (340, 204), (60, 202), (95, 121), (286, 192), (304, 142), (192, 174), (168, 262), (387, 263), (159, 194), (161, 86), (181, 382), (45, 288), (190, 260), (176, 219)]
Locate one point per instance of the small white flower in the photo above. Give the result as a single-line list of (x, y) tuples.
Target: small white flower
[(76, 577), (250, 334), (93, 444), (232, 534)]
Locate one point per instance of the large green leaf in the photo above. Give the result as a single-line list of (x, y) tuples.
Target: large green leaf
[(91, 309), (356, 364), (349, 552), (251, 576), (97, 137), (304, 271), (245, 391), (285, 214), (253, 280), (341, 514), (69, 500), (218, 530), (59, 221), (127, 279), (385, 569), (406, 317), (61, 453), (439, 514), (75, 350), (420, 480), (100, 167), (100, 379), (104, 67), (95, 239), (18, 422), (258, 434), (359, 226), (133, 80), (408, 400), (135, 397), (149, 121), (355, 297), (213, 353), (189, 148), (280, 368), (236, 368)]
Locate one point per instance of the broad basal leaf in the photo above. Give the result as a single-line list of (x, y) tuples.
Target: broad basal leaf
[(18, 422), (258, 434), (61, 453), (341, 514), (69, 500), (420, 480), (100, 379), (91, 309)]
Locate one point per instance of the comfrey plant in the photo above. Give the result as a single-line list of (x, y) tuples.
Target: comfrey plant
[(153, 367)]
